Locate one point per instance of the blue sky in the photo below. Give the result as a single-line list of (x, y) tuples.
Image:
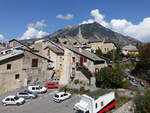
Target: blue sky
[(129, 17)]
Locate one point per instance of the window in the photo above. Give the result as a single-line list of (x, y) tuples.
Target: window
[(8, 66), (65, 94), (17, 76), (96, 105), (37, 88), (87, 112), (34, 62), (65, 42), (73, 59), (48, 53), (102, 103), (12, 99), (7, 99), (85, 59)]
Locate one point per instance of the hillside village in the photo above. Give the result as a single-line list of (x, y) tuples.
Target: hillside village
[(69, 61)]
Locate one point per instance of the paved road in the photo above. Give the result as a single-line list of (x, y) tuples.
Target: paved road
[(43, 104)]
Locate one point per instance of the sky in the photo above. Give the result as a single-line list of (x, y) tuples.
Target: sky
[(26, 19)]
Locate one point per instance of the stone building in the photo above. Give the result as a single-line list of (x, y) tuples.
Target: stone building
[(55, 53), (103, 46), (80, 64), (20, 66), (70, 61), (129, 49), (52, 51)]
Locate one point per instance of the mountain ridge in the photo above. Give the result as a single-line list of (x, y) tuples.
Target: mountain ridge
[(92, 32)]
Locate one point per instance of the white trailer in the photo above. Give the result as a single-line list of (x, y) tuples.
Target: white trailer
[(88, 104)]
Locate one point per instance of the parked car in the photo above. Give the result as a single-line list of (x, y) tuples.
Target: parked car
[(61, 96), (37, 89), (55, 79), (26, 95), (51, 85), (13, 100)]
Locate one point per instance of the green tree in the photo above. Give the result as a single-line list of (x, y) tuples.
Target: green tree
[(111, 78), (142, 102), (144, 53), (114, 55), (98, 52), (142, 68)]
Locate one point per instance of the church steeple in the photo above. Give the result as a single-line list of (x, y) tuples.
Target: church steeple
[(79, 33)]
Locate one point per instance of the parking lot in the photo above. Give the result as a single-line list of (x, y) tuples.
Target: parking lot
[(43, 104)]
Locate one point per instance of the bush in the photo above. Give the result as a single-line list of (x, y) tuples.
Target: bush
[(74, 90), (76, 81), (142, 102), (126, 84)]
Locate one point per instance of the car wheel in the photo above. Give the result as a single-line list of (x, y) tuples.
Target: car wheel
[(17, 104), (4, 104), (59, 101)]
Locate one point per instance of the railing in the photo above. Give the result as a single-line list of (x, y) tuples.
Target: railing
[(84, 70)]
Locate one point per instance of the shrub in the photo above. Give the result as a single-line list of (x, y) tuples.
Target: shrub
[(142, 102), (76, 81), (126, 84)]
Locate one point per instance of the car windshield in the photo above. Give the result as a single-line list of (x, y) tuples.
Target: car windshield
[(56, 96), (50, 84), (16, 98), (40, 87), (29, 92)]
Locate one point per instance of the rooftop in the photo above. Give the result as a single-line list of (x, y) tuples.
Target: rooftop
[(55, 49), (13, 54), (84, 53), (130, 48), (95, 94)]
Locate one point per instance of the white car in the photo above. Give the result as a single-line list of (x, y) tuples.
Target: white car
[(13, 100), (37, 89), (61, 96)]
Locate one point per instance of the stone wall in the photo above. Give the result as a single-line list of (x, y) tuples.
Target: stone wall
[(8, 81)]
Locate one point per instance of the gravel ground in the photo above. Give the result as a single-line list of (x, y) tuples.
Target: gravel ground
[(126, 108)]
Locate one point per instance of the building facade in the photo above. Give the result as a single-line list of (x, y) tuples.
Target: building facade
[(21, 67), (130, 50), (80, 64), (103, 46)]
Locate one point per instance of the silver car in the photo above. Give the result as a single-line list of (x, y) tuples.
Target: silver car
[(26, 94)]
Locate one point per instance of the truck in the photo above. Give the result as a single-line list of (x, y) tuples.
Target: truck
[(99, 104)]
